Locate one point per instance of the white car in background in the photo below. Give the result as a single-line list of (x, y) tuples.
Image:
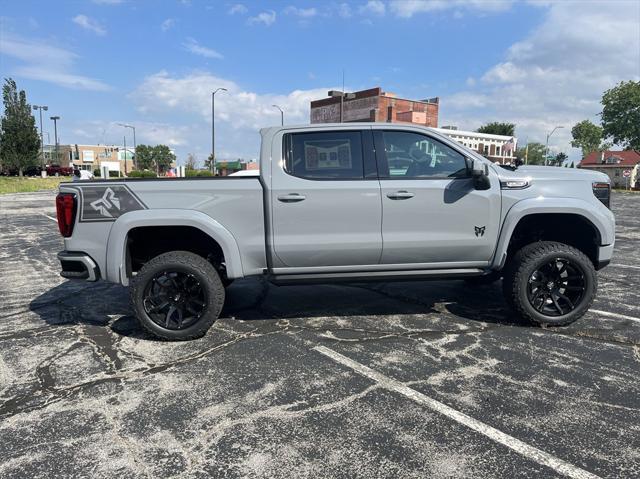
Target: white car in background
[(246, 173)]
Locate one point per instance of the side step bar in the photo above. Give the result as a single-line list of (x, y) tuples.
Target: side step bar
[(355, 277)]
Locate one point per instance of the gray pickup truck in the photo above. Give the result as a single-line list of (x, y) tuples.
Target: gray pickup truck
[(343, 202)]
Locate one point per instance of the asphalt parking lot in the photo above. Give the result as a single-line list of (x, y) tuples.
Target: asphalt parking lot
[(420, 379)]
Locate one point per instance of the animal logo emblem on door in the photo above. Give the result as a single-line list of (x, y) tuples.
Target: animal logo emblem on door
[(479, 230), (108, 201)]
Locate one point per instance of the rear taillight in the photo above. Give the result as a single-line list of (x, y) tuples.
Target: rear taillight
[(602, 191), (66, 206)]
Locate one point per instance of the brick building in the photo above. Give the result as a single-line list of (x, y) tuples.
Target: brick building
[(89, 157), (614, 164), (376, 105)]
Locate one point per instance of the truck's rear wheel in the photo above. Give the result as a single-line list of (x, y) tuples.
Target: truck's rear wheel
[(550, 283), (177, 295)]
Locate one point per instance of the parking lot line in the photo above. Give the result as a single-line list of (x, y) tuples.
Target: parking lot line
[(530, 452), (615, 315), (50, 217)]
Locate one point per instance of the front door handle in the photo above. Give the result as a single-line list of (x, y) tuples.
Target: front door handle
[(291, 198), (400, 195)]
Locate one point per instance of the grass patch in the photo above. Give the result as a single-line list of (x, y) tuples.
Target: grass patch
[(12, 184)]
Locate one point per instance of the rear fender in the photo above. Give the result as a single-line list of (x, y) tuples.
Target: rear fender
[(116, 246)]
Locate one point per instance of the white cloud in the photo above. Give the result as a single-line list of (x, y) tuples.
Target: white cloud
[(301, 12), (266, 18), (373, 7), (192, 46), (238, 8), (240, 113), (409, 8), (556, 74), (168, 24), (89, 24), (45, 62), (344, 10)]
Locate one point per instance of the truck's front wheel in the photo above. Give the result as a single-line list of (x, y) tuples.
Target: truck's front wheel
[(550, 283), (177, 295)]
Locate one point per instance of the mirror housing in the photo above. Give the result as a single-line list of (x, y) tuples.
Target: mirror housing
[(480, 174)]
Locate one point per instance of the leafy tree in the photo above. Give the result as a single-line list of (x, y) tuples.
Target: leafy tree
[(531, 154), (208, 163), (497, 128), (559, 159), (20, 144), (586, 136), (163, 157), (144, 157), (157, 157), (621, 114)]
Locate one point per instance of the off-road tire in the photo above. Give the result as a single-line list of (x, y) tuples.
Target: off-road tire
[(520, 268), (485, 279), (184, 262)]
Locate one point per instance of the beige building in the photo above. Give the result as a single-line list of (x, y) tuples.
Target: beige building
[(90, 157)]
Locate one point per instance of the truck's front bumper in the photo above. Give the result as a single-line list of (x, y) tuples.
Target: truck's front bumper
[(78, 266), (604, 256)]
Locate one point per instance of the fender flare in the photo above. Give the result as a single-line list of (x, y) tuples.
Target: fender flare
[(117, 241), (603, 223)]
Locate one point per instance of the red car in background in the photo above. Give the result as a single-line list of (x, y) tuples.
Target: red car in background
[(57, 170)]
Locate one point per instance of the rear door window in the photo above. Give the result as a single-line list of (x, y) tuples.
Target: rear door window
[(335, 155)]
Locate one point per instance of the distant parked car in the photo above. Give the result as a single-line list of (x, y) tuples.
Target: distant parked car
[(57, 170), (28, 171)]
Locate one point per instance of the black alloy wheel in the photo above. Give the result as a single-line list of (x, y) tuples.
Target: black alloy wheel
[(175, 300), (556, 287)]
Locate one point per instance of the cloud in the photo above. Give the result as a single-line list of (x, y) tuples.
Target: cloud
[(89, 24), (344, 10), (168, 24), (266, 18), (409, 8), (373, 7), (556, 74), (45, 62), (239, 113), (301, 12), (194, 47), (238, 8)]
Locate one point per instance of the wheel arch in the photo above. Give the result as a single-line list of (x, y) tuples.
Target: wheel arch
[(118, 270), (576, 223)]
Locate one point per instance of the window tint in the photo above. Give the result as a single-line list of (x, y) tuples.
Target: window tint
[(411, 155), (324, 155)]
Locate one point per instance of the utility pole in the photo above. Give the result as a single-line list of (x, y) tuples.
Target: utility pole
[(45, 108), (281, 114), (135, 145), (125, 155), (55, 136), (213, 128), (546, 147)]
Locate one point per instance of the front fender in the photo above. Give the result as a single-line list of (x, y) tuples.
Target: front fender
[(117, 242), (600, 217)]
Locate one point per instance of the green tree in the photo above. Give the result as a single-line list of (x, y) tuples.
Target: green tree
[(586, 136), (162, 157), (498, 128), (208, 163), (559, 159), (144, 157), (621, 114), (20, 144), (532, 154)]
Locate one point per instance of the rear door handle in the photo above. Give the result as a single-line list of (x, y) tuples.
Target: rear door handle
[(400, 195), (291, 198)]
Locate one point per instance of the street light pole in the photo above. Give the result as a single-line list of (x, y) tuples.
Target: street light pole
[(45, 108), (546, 147), (213, 128), (281, 114), (135, 145), (55, 136)]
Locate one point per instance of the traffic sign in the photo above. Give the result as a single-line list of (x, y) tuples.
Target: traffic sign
[(626, 173)]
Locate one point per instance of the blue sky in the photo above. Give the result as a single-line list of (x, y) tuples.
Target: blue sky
[(153, 63)]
